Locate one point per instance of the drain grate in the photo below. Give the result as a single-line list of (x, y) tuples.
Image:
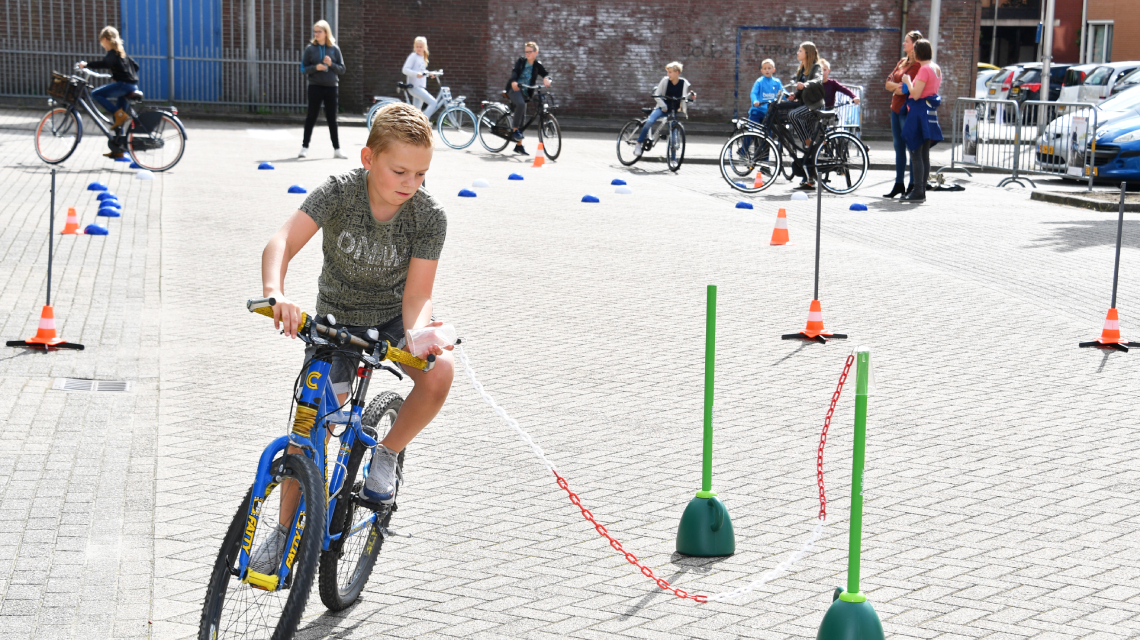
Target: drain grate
[(92, 386)]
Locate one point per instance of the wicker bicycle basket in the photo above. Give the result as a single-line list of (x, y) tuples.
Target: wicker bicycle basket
[(63, 89)]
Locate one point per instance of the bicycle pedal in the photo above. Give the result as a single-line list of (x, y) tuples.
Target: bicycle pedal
[(387, 533), (372, 506)]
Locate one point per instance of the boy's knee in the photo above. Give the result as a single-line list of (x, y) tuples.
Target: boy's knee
[(437, 382)]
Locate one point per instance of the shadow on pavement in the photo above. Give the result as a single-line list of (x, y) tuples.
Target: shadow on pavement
[(1082, 234)]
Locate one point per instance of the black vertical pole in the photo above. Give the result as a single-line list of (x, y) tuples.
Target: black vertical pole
[(51, 240), (1119, 233), (818, 219)]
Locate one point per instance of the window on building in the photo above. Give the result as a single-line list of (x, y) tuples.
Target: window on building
[(1099, 42)]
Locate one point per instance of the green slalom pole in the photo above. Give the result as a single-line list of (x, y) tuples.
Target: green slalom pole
[(705, 529), (851, 617)]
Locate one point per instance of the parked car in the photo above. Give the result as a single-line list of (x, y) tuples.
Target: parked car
[(998, 86), (1053, 145), (1074, 78), (1027, 86), (1117, 155), (1098, 85), (980, 86), (1129, 81)]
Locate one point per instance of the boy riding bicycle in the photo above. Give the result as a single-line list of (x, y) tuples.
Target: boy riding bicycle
[(527, 70), (383, 235), (669, 95)]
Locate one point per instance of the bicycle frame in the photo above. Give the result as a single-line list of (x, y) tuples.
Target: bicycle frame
[(87, 102)]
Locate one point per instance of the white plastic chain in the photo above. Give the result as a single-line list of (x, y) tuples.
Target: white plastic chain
[(779, 569)]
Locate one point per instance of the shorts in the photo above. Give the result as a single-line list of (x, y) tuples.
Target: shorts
[(343, 368)]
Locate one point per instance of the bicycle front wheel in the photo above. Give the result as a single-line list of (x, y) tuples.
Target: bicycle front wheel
[(494, 128), (348, 563), (550, 134), (841, 162), (675, 152), (749, 152), (457, 127), (627, 142), (58, 134), (234, 608), (159, 146)]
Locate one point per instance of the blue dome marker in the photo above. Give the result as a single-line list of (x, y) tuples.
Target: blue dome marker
[(110, 204), (265, 166), (617, 182), (858, 206), (108, 212), (590, 198), (96, 186), (514, 176), (743, 205), (106, 195), (466, 193), (135, 165), (742, 185), (95, 230), (124, 159), (298, 189)]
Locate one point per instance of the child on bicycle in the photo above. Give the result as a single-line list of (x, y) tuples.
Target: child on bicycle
[(527, 71), (124, 79), (669, 96), (383, 235), (764, 91)]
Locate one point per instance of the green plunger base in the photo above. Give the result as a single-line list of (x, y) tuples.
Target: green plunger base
[(706, 530), (850, 621)]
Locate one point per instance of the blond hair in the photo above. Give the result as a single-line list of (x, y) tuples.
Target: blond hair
[(422, 40), (324, 26), (825, 64), (675, 65), (111, 34), (399, 122), (811, 56), (531, 44), (768, 61)]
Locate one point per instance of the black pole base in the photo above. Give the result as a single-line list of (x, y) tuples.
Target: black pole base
[(45, 347), (1119, 346), (820, 338)]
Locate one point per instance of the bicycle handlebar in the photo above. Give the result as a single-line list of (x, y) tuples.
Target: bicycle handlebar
[(90, 72), (264, 306), (533, 86)]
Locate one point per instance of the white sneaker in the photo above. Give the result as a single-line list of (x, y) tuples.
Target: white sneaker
[(638, 150), (380, 485), (266, 557), (337, 153), (304, 153)]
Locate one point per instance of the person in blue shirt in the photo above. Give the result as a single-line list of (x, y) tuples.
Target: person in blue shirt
[(764, 91)]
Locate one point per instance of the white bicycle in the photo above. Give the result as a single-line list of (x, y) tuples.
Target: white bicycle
[(457, 125)]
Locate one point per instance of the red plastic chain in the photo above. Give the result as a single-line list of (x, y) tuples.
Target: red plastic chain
[(823, 435)]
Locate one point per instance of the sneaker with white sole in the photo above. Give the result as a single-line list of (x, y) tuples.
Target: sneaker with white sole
[(382, 481), (266, 558), (337, 153), (638, 150), (304, 152)]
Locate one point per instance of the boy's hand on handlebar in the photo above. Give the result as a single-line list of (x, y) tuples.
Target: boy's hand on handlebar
[(515, 86), (82, 64), (546, 81), (286, 315)]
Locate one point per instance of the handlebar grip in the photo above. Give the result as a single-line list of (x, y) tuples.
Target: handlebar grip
[(403, 357), (268, 313)]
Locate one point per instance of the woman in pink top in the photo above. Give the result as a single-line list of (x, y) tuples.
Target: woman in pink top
[(922, 106)]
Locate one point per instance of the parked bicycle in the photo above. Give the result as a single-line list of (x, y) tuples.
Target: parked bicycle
[(667, 128), (339, 531), (154, 137), (456, 124), (495, 122), (837, 158)]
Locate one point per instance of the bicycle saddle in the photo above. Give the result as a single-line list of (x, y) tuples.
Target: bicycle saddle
[(134, 95), (403, 85), (647, 109)]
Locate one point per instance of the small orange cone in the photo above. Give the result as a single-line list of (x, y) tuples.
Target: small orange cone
[(780, 233), (814, 330), (45, 337), (759, 182), (1110, 335), (72, 226), (539, 156)]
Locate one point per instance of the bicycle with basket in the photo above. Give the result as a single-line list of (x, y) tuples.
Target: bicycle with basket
[(332, 528), (495, 126), (456, 124), (154, 137)]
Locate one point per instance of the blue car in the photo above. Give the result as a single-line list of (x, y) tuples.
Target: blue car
[(1117, 154)]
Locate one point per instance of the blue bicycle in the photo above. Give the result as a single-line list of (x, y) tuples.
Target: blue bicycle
[(321, 517)]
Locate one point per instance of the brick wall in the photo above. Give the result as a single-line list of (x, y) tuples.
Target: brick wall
[(606, 56)]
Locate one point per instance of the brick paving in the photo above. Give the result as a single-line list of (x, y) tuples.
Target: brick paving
[(1000, 456)]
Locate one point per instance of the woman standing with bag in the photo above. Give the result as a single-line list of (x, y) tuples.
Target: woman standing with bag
[(908, 66), (323, 65)]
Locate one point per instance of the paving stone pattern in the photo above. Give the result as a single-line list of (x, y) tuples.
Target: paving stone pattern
[(1000, 456)]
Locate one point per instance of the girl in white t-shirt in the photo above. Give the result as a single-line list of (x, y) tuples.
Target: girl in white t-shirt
[(415, 68)]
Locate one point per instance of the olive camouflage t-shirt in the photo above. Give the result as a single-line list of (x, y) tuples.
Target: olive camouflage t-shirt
[(366, 261)]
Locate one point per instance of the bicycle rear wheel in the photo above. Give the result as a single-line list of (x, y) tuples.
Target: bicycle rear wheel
[(675, 152), (234, 608), (494, 128), (58, 134), (751, 153), (348, 563), (159, 145), (457, 127), (550, 134), (841, 162), (627, 142)]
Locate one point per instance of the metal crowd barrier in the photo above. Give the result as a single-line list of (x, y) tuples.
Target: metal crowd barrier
[(850, 114), (1030, 137)]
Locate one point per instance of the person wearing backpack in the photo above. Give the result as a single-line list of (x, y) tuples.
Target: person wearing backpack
[(124, 79)]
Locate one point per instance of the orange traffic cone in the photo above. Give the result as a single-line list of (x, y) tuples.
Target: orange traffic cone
[(1110, 335), (780, 233), (45, 337), (814, 330), (759, 181), (72, 226), (539, 156)]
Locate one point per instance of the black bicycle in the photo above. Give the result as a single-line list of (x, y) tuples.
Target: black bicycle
[(667, 128), (753, 157), (495, 126), (154, 137)]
